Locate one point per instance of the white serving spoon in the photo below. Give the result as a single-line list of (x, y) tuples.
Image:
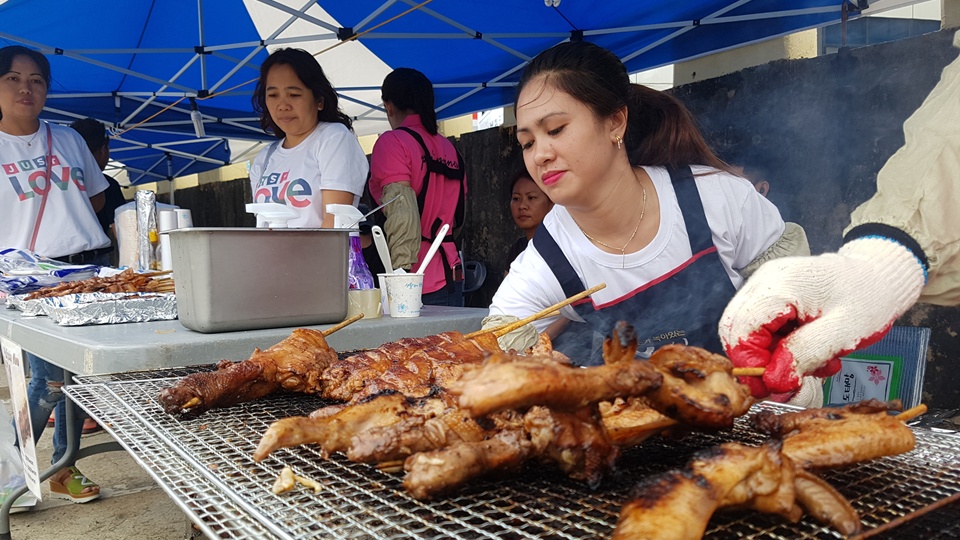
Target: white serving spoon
[(434, 247), (381, 242)]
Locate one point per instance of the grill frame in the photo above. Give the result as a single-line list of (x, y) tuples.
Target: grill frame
[(204, 465)]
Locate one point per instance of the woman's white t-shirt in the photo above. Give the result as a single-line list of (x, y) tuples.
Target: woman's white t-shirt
[(68, 223), (743, 225), (329, 158)]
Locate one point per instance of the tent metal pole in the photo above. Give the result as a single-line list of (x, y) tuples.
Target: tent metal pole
[(173, 181)]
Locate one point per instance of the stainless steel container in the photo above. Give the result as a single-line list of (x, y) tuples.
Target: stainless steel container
[(243, 278)]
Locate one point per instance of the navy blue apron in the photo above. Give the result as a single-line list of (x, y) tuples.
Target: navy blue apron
[(682, 306)]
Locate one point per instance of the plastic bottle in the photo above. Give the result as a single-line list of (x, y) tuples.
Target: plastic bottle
[(346, 216)]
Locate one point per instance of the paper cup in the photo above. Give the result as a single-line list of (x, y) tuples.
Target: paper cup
[(366, 301), (404, 293), (385, 305)]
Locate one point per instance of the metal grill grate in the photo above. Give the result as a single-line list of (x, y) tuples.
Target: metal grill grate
[(205, 466)]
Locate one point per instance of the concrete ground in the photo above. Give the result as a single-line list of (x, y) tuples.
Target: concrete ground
[(131, 504)]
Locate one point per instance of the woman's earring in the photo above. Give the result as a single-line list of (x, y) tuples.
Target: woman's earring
[(619, 142)]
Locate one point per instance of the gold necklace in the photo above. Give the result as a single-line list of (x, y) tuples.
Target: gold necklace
[(623, 249)]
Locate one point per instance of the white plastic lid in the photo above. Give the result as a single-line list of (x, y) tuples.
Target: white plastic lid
[(272, 215)]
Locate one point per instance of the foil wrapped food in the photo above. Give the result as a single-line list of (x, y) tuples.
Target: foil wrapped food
[(100, 308)]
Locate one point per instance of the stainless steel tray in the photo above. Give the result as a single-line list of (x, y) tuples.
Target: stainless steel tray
[(204, 464)]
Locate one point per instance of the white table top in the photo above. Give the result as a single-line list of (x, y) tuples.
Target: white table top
[(87, 350)]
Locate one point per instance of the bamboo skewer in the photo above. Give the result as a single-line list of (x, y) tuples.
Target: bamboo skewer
[(342, 324), (912, 413), (501, 331), (748, 371)]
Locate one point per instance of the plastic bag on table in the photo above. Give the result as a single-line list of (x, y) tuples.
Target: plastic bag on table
[(22, 271), (11, 466)]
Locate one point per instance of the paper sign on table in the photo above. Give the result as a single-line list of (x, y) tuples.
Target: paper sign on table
[(13, 361)]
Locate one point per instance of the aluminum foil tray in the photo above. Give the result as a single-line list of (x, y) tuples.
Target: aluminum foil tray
[(204, 464)]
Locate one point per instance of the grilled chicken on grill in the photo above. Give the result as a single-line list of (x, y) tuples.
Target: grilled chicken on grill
[(685, 383), (831, 437), (293, 365), (679, 504), (574, 441), (305, 363)]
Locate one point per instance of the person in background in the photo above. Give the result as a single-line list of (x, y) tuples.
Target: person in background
[(95, 135), (642, 205), (423, 172), (318, 159), (528, 206), (56, 218), (797, 317)]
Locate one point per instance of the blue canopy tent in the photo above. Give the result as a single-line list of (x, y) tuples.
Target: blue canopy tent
[(158, 71)]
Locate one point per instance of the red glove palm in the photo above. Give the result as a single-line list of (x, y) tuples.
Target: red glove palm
[(798, 316)]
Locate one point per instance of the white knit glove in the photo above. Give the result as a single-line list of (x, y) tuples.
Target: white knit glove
[(519, 340), (797, 316)]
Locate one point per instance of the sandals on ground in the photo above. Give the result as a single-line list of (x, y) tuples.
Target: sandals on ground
[(72, 490)]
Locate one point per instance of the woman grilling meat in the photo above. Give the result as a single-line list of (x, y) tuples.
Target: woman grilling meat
[(642, 204)]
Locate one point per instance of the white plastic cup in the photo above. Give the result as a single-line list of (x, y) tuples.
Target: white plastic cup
[(184, 218), (168, 220), (383, 294), (404, 294)]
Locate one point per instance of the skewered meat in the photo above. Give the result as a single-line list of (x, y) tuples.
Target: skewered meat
[(685, 383), (510, 381), (835, 437), (630, 422), (429, 473), (411, 366), (332, 427), (293, 365), (825, 504), (126, 281), (679, 504), (778, 425), (574, 441), (698, 387)]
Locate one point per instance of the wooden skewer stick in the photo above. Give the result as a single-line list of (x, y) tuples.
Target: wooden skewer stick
[(748, 371), (912, 413), (391, 466), (346, 322), (500, 331), (159, 273)]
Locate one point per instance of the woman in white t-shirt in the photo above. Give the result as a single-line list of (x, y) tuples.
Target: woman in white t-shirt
[(642, 205), (318, 159), (49, 194)]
